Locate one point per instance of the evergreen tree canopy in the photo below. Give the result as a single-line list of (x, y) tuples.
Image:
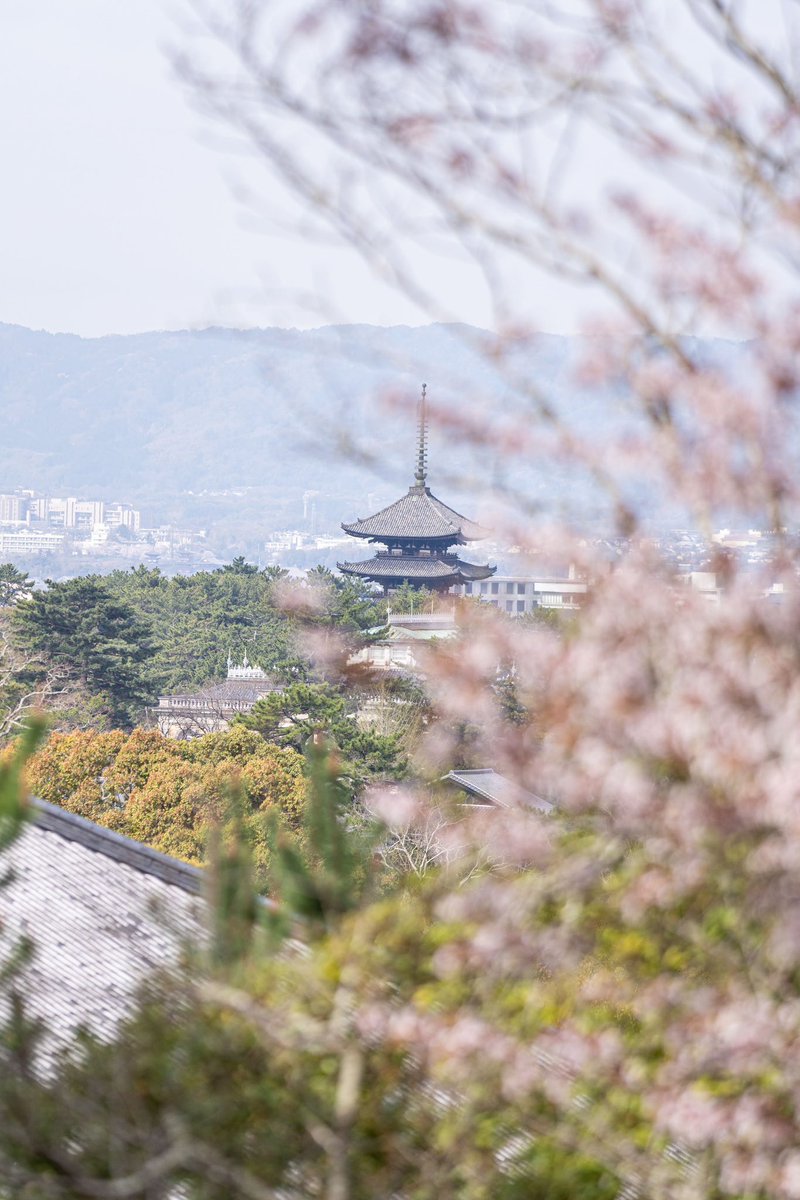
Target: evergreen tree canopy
[(14, 584), (81, 625), (289, 718)]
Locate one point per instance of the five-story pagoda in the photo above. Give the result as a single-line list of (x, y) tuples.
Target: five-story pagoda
[(419, 532)]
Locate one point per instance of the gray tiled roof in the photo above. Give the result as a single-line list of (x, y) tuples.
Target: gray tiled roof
[(418, 514), (102, 912), (490, 787), (229, 691), (399, 567)]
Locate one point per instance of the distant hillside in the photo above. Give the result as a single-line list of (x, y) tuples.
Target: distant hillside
[(151, 417)]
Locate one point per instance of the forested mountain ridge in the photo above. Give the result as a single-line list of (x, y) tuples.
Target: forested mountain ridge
[(205, 409), (151, 417)]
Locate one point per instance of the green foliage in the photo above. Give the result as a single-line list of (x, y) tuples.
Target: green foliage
[(12, 790), (408, 599), (232, 887), (508, 698), (171, 794), (196, 621), (13, 814), (14, 584), (289, 717), (79, 624), (327, 871), (349, 605), (251, 1076), (551, 618)]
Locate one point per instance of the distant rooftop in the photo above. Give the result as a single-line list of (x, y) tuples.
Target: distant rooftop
[(397, 568), (419, 515), (489, 787)]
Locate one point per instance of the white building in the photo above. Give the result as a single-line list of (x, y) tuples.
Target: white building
[(30, 541), (123, 514), (212, 708), (520, 594), (399, 650), (67, 512), (13, 509), (705, 584)]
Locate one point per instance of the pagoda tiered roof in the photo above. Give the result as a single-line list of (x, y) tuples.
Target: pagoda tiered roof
[(433, 571), (417, 516), (418, 529)]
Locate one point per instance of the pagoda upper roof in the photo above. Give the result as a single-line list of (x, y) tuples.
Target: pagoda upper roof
[(419, 515), (437, 569)]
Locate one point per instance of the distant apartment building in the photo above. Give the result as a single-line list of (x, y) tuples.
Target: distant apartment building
[(517, 594), (30, 541), (168, 535), (705, 583), (124, 515), (67, 512), (13, 509)]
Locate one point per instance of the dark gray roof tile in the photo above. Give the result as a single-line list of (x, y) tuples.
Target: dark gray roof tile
[(417, 515), (399, 567)]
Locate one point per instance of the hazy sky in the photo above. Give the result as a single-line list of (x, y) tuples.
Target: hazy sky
[(116, 211)]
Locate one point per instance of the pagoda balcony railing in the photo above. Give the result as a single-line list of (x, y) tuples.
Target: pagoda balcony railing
[(416, 552)]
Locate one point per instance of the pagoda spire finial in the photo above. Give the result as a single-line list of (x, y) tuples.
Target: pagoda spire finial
[(422, 453)]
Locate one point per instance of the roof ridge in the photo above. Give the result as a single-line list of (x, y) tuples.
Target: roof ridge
[(409, 517), (116, 846)]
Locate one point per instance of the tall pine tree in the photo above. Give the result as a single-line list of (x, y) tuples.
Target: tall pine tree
[(80, 625)]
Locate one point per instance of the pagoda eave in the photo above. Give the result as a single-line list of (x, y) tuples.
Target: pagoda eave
[(413, 541), (434, 572), (417, 516)]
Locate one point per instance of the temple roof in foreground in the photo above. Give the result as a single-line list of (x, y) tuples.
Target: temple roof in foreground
[(102, 911), (397, 567), (419, 515)]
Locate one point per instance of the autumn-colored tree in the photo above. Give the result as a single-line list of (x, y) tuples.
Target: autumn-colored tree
[(165, 793)]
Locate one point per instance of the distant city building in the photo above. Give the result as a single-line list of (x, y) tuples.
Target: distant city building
[(282, 541), (13, 509), (520, 594), (30, 541), (211, 709), (68, 512), (419, 532), (168, 535), (704, 583), (123, 514)]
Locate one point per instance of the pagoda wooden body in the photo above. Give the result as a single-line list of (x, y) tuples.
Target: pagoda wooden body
[(420, 533)]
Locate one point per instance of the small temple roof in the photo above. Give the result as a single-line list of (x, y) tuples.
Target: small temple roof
[(412, 566), (489, 787), (417, 515)]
